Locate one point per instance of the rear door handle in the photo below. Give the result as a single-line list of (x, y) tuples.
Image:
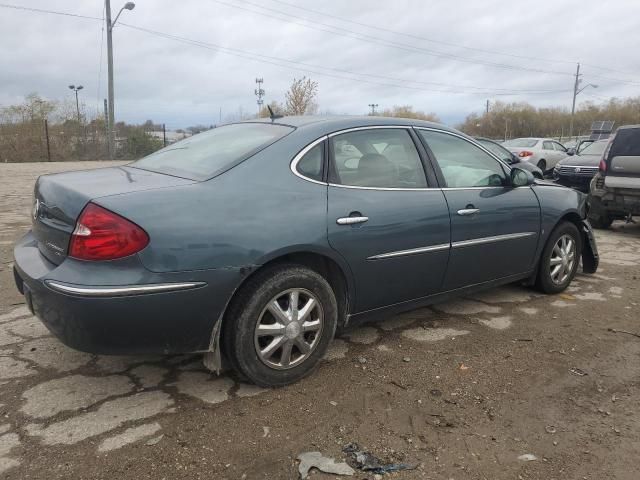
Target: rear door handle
[(465, 212), (351, 220)]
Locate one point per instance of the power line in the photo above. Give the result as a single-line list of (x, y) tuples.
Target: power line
[(315, 69), (380, 41), (52, 12), (441, 42), (407, 47)]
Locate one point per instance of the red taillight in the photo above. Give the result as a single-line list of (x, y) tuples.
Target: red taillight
[(104, 235), (603, 166), (525, 153)]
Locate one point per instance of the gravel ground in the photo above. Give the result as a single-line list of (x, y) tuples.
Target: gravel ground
[(462, 389)]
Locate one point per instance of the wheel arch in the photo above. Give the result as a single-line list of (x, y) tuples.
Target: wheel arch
[(327, 263)]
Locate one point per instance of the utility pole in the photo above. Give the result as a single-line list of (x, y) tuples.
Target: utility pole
[(110, 118), (576, 84), (259, 93), (110, 25), (576, 91), (46, 133), (373, 108), (164, 135), (487, 110), (106, 122)]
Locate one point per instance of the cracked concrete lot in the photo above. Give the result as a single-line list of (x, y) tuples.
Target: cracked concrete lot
[(467, 389)]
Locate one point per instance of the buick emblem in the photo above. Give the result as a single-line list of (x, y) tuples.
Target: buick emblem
[(36, 209), (577, 169)]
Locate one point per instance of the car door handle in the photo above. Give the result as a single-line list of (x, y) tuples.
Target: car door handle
[(465, 212), (351, 220)]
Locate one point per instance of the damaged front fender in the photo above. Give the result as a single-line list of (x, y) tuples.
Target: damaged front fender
[(590, 257)]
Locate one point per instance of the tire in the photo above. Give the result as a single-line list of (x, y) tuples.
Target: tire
[(542, 165), (598, 216), (251, 315), (546, 281)]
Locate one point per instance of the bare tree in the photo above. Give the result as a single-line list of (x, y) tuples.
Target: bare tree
[(301, 97), (407, 111)]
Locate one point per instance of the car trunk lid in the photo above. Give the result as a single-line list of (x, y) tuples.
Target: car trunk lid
[(59, 199)]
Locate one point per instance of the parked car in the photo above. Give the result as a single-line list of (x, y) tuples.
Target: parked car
[(542, 152), (260, 239), (509, 157), (577, 171), (615, 190)]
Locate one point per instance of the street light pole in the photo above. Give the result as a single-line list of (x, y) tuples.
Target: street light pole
[(75, 89), (110, 25), (373, 108)]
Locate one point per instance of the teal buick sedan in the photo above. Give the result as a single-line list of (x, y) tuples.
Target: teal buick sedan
[(254, 242)]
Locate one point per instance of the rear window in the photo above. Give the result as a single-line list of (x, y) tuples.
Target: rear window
[(520, 143), (626, 143), (595, 148), (204, 155)]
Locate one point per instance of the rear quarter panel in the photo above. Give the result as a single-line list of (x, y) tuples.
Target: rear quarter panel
[(242, 218)]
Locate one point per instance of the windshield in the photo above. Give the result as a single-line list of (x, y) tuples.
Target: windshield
[(497, 150), (204, 155), (521, 142), (595, 148)]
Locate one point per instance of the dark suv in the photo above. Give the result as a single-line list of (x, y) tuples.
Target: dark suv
[(615, 190)]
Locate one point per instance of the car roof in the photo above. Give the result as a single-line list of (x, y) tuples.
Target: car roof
[(337, 122), (625, 127)]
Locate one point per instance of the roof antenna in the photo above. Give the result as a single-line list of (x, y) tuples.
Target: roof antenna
[(272, 115)]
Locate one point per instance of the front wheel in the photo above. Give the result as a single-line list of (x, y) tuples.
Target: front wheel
[(560, 259), (280, 325)]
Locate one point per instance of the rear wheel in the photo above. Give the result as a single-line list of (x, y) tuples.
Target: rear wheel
[(560, 259), (280, 325), (542, 165), (598, 216)]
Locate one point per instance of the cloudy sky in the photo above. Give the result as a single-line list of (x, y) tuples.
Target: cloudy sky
[(181, 62)]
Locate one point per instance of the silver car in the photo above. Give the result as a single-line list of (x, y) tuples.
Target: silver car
[(545, 153)]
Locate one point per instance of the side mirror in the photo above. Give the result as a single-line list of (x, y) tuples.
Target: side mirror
[(521, 178), (571, 151)]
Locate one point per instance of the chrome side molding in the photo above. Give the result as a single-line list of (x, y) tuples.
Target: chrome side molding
[(496, 238), (412, 251), (120, 290)]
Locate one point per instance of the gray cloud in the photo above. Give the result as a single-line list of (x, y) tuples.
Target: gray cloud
[(182, 84)]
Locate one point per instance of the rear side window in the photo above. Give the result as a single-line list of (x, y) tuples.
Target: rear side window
[(312, 163), (626, 143), (378, 158), (204, 155)]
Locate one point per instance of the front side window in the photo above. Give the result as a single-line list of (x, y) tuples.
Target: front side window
[(205, 155), (381, 158), (462, 163), (559, 147), (497, 150)]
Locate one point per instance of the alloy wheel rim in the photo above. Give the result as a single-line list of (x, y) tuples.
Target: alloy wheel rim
[(563, 257), (289, 329)]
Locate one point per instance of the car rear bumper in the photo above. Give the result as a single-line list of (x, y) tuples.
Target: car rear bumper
[(144, 313)]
